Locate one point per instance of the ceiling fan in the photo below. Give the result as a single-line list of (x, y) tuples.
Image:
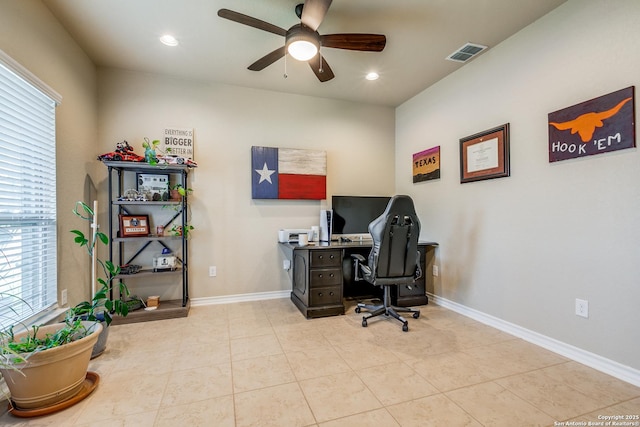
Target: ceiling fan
[(303, 42)]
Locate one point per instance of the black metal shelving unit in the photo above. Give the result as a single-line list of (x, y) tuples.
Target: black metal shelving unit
[(117, 172)]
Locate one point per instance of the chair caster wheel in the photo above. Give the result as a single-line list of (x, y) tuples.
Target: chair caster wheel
[(405, 327), (416, 315), (358, 310), (364, 322)]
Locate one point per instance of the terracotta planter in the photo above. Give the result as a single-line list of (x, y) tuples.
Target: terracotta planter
[(54, 375), (175, 195)]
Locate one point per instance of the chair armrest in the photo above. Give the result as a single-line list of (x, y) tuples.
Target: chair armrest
[(359, 267), (358, 257)]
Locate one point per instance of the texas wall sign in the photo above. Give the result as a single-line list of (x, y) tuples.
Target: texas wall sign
[(596, 126)]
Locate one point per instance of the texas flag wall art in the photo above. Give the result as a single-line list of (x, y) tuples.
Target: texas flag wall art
[(288, 173)]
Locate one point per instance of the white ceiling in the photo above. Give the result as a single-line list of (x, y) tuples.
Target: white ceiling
[(420, 34)]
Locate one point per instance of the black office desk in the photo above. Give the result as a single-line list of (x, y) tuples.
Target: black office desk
[(322, 275)]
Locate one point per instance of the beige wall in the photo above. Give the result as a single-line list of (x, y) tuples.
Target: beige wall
[(524, 248), (233, 232), (35, 39)]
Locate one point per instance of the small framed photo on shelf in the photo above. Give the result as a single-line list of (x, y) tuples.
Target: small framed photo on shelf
[(134, 225), (154, 186), (485, 155)]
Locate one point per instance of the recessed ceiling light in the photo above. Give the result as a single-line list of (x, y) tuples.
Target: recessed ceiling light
[(169, 40), (372, 76)]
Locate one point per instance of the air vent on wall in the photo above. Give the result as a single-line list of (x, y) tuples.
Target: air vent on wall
[(466, 52)]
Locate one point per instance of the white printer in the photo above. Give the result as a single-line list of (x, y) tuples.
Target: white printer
[(289, 235)]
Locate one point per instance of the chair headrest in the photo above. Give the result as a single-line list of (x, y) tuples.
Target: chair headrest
[(399, 205)]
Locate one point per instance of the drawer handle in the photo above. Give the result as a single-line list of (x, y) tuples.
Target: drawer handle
[(331, 275), (331, 256), (331, 293), (320, 276), (320, 256), (319, 294)]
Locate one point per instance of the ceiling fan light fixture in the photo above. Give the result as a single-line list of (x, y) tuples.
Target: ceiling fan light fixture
[(302, 43), (302, 50)]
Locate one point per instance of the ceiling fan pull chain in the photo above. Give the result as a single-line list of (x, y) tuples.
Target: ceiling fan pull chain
[(285, 66), (320, 70)]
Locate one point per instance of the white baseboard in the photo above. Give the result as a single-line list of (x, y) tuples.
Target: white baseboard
[(228, 299), (610, 367)]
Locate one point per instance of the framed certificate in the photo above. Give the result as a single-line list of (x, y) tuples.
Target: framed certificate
[(485, 155), (134, 225)]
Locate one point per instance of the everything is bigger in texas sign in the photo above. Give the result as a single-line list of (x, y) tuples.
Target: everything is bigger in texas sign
[(596, 126)]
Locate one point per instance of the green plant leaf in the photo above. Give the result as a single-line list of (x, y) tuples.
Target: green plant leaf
[(103, 238)]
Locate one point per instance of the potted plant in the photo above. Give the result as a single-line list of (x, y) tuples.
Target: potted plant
[(178, 230), (46, 365), (150, 151), (177, 192), (101, 306)]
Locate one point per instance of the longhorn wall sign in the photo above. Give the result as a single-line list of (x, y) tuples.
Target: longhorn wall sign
[(596, 126)]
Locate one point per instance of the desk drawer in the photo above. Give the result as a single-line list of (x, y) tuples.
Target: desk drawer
[(325, 277), (325, 296), (326, 258)]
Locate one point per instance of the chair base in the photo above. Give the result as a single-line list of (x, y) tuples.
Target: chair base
[(387, 309)]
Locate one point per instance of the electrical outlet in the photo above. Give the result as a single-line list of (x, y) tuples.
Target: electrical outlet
[(213, 271), (582, 308), (286, 264), (63, 297), (435, 270)]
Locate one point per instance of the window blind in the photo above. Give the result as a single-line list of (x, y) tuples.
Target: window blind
[(28, 241)]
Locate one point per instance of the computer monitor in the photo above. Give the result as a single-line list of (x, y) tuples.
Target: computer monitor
[(352, 214)]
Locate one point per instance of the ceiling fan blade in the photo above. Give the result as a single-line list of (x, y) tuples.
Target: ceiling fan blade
[(313, 12), (364, 42), (320, 68), (252, 22), (268, 59)]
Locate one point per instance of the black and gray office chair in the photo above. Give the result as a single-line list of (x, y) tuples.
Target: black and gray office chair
[(394, 258)]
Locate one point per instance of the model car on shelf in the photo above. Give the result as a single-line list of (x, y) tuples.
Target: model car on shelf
[(129, 269), (132, 195), (123, 153), (172, 159)]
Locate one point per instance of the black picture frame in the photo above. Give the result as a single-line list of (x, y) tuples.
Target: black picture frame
[(485, 155)]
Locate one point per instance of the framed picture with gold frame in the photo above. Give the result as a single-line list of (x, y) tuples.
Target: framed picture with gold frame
[(134, 225), (485, 155)]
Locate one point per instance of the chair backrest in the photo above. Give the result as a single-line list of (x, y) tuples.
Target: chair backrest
[(395, 236)]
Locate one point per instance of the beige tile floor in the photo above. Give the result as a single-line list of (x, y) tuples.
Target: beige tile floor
[(264, 364)]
